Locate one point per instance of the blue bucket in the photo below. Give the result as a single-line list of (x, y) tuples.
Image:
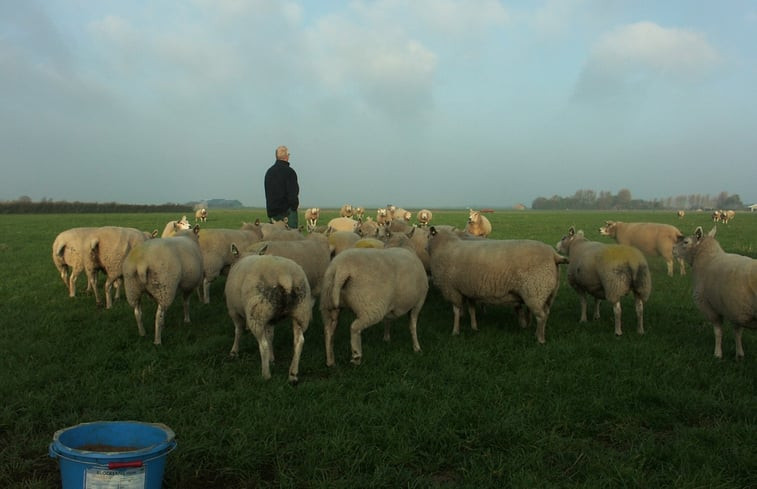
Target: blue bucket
[(113, 454)]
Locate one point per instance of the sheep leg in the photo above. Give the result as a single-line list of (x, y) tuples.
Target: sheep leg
[(597, 303), (618, 311), (269, 336), (329, 327), (472, 312), (298, 337), (414, 327), (138, 317), (582, 299), (387, 330), (356, 338), (92, 283), (108, 287), (670, 267), (541, 325), (682, 266), (205, 291), (265, 348), (718, 329), (639, 315), (119, 284), (456, 324), (160, 318), (238, 329), (524, 315), (72, 282), (737, 336), (185, 303)]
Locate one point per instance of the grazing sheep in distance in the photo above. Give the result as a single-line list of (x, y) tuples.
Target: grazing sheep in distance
[(374, 284), (523, 273), (70, 248), (681, 214), (201, 215), (478, 224), (606, 272), (345, 211), (650, 237), (161, 268), (424, 217), (260, 291), (172, 227), (311, 218), (108, 248), (724, 285)]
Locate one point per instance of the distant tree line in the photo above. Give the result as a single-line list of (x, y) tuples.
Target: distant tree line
[(25, 205), (604, 200)]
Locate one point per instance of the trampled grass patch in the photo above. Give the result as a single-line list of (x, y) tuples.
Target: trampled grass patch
[(484, 409)]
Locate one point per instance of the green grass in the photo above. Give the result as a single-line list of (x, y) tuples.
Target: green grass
[(486, 409)]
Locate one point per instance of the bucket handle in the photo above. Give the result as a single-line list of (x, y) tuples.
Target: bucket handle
[(124, 465)]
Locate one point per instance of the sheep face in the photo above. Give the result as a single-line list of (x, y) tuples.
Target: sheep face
[(686, 248), (609, 229)]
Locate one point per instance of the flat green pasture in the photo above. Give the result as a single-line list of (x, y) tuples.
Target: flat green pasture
[(485, 409)]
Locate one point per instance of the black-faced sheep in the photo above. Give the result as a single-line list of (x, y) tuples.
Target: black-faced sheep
[(108, 248), (70, 248), (161, 268), (262, 290), (513, 272), (606, 272), (724, 285), (651, 238), (478, 224), (375, 284)]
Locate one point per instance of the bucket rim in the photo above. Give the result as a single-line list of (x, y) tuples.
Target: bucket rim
[(167, 445)]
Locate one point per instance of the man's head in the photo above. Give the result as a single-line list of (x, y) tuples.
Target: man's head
[(282, 153)]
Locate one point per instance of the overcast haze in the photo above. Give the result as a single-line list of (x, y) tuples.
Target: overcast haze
[(424, 103)]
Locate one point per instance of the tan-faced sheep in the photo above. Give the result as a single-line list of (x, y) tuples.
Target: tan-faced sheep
[(201, 215), (478, 224), (681, 214), (215, 244), (358, 213), (342, 224), (346, 211), (313, 254), (311, 218), (108, 248), (374, 284), (70, 248), (606, 272), (424, 217), (383, 216), (162, 268), (262, 290), (724, 285), (653, 239), (368, 228), (512, 272), (172, 227)]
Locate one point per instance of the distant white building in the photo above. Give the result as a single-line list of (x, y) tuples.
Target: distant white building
[(753, 207)]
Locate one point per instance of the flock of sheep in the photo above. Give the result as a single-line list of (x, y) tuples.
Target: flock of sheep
[(381, 269)]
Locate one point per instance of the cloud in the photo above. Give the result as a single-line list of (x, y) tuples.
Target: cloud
[(635, 54)]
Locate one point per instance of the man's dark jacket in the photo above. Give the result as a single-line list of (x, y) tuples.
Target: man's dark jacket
[(281, 190)]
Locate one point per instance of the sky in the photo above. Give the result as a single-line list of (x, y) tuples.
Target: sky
[(417, 103)]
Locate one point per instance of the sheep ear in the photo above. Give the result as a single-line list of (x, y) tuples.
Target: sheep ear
[(154, 233), (263, 249), (234, 250), (257, 222), (698, 233), (571, 231), (432, 231), (196, 229)]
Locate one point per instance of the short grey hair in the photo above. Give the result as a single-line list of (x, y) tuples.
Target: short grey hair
[(282, 152)]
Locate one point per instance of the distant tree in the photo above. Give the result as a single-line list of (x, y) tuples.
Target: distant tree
[(25, 199), (624, 197)]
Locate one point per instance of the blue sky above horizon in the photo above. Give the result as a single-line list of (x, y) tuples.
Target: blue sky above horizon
[(429, 103)]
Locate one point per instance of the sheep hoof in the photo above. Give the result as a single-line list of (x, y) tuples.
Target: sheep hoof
[(293, 380), (233, 354), (356, 360)]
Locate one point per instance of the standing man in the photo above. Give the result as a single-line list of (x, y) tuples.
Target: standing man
[(282, 192)]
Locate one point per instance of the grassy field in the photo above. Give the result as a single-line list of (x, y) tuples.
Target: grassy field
[(486, 409)]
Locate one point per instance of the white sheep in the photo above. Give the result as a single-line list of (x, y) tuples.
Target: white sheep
[(358, 213), (342, 224), (161, 268), (651, 238), (109, 246), (172, 227), (313, 254), (341, 240), (606, 272), (215, 244), (383, 216), (368, 228), (478, 224), (311, 218), (374, 284), (201, 215), (513, 272), (724, 285), (346, 211), (424, 217), (70, 248), (261, 290)]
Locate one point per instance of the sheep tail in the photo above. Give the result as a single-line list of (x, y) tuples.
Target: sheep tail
[(142, 272), (333, 282), (287, 283), (640, 277)]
